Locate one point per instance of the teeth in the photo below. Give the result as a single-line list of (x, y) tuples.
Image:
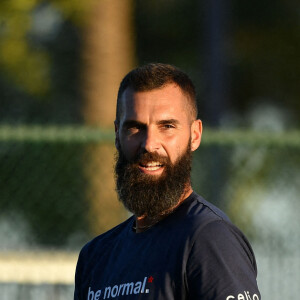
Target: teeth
[(153, 168), (153, 164)]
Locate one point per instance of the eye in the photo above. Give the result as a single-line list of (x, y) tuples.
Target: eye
[(168, 126), (134, 129)]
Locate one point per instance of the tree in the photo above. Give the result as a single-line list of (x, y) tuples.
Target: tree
[(108, 54), (28, 63)]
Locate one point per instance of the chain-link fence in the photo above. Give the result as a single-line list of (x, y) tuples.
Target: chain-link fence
[(57, 192)]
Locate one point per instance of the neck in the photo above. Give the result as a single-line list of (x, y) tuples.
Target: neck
[(144, 222)]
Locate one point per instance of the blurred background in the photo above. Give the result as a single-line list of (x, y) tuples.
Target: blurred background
[(61, 62)]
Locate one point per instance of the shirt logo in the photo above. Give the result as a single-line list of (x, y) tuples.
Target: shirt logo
[(123, 289), (243, 296)]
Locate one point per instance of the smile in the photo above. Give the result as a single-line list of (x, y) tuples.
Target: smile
[(151, 166)]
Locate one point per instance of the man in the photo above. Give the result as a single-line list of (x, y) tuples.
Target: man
[(176, 245)]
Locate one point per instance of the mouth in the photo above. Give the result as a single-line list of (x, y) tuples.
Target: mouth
[(151, 166)]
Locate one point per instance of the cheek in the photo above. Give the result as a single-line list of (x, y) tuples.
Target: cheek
[(176, 146), (129, 146)]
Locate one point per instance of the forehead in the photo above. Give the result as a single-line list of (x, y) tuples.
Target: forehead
[(168, 101)]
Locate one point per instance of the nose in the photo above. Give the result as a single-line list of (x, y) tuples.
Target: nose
[(150, 141)]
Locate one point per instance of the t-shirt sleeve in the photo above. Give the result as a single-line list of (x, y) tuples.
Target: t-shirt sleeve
[(221, 265)]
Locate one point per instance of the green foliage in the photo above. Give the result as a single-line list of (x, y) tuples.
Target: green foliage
[(27, 64), (40, 74), (44, 184)]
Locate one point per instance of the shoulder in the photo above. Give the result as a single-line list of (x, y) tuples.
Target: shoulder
[(220, 256), (205, 226), (222, 260), (199, 206), (196, 213), (221, 238), (102, 241), (93, 250), (212, 234), (213, 228)]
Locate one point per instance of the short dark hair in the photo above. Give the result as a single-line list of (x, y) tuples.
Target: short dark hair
[(154, 76)]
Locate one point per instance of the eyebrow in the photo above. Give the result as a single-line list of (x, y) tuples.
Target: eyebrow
[(132, 123), (169, 121)]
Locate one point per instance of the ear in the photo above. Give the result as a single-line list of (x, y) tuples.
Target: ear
[(196, 133), (117, 141)]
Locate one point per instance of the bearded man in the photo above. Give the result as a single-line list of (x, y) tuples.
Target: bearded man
[(176, 245)]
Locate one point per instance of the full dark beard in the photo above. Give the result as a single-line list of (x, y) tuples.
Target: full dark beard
[(144, 194)]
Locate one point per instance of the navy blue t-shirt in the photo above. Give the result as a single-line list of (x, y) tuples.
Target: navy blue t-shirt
[(194, 253)]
